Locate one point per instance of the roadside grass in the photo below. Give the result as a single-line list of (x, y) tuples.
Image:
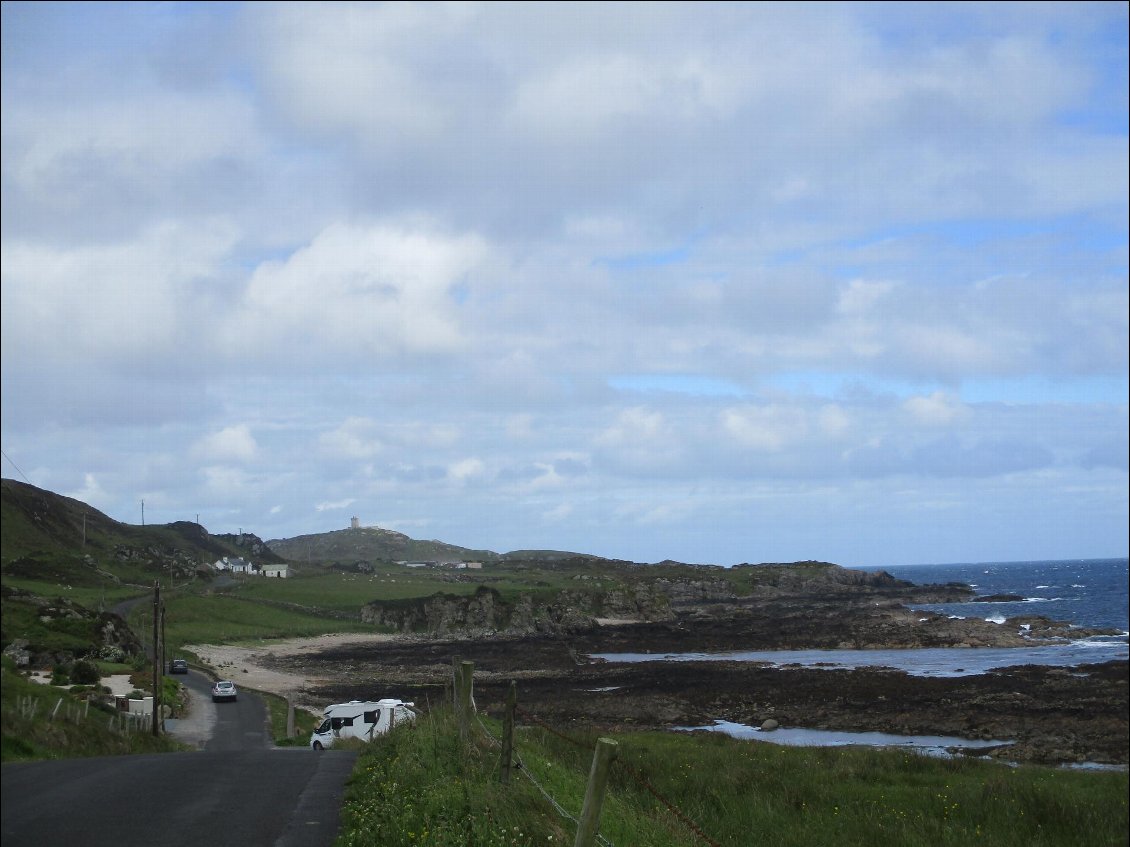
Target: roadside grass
[(46, 722), (421, 785), (304, 721)]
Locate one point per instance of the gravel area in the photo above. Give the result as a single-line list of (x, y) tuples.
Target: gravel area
[(246, 664)]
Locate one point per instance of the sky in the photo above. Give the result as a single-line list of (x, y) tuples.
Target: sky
[(716, 283)]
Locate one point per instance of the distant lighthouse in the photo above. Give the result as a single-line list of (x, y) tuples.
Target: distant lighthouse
[(355, 522)]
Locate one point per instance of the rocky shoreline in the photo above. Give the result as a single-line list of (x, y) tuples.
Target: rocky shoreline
[(1053, 715)]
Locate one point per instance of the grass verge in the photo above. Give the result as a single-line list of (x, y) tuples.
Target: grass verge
[(46, 722), (421, 785)]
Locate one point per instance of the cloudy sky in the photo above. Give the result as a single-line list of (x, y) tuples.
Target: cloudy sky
[(716, 283)]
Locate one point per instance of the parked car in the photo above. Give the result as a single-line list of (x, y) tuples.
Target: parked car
[(178, 666), (223, 690)]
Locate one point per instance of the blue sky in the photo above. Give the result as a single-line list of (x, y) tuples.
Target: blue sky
[(715, 282)]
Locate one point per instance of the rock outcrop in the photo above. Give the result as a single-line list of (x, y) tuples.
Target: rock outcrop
[(652, 599)]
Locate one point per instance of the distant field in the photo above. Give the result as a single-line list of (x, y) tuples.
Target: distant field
[(347, 592), (85, 595), (344, 591), (223, 619)]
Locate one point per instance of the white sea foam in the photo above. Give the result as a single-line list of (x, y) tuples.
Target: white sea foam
[(995, 619)]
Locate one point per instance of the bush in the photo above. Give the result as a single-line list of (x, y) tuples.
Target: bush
[(60, 675), (85, 673), (111, 653)]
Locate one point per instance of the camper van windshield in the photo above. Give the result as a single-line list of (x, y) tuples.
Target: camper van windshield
[(325, 727)]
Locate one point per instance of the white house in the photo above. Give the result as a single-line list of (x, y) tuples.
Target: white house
[(278, 571), (235, 564)]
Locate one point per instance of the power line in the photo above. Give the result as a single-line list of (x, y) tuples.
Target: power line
[(17, 467)]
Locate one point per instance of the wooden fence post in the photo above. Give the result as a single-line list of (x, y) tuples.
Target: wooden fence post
[(589, 825), (289, 718), (455, 683), (508, 732), (466, 677)]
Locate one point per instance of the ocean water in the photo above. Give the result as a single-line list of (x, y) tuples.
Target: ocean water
[(1086, 593)]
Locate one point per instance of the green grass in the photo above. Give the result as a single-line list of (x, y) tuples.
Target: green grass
[(27, 730), (304, 722), (421, 785), (348, 592), (226, 619)]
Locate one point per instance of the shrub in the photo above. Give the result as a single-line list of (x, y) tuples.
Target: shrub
[(85, 673)]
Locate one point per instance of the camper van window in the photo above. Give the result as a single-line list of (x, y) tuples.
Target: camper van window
[(325, 727), (335, 723), (373, 717), (347, 721)]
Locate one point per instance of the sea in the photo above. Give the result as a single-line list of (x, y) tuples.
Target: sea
[(1086, 593)]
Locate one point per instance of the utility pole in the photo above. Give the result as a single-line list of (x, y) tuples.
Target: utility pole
[(156, 655), (143, 513)]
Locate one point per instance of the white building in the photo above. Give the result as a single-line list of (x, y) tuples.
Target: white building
[(235, 564), (277, 571)]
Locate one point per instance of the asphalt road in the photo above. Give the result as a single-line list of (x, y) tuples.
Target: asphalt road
[(236, 789)]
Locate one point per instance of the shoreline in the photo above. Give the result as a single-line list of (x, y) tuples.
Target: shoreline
[(1055, 714)]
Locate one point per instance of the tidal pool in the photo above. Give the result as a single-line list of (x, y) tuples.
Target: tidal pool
[(936, 745)]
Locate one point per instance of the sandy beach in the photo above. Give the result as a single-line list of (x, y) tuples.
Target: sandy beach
[(245, 664)]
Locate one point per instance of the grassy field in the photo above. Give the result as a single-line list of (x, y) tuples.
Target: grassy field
[(227, 619), (347, 592), (422, 785), (93, 597)]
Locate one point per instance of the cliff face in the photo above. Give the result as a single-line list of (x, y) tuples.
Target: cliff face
[(576, 610), (486, 612)]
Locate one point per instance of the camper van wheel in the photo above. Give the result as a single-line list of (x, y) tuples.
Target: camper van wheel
[(318, 746)]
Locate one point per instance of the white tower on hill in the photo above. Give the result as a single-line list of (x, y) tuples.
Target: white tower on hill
[(354, 522)]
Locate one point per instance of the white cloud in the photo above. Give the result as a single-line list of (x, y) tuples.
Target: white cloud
[(765, 428), (126, 302), (357, 291), (937, 409), (334, 505), (466, 470), (355, 439), (233, 443)]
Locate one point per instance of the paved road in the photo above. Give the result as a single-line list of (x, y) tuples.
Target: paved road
[(236, 789)]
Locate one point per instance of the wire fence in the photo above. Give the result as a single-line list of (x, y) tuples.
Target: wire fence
[(634, 773), (462, 696), (528, 774)]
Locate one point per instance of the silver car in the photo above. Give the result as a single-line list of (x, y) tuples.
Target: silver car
[(223, 690)]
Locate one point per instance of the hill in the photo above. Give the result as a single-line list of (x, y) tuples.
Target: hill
[(51, 537), (372, 544)]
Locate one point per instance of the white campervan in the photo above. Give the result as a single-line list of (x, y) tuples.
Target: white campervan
[(363, 719)]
